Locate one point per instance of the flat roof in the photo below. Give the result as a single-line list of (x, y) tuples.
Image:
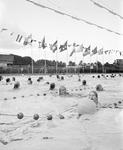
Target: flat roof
[(6, 58)]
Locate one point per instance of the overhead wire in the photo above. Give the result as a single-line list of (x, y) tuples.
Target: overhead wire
[(59, 7), (74, 17), (109, 10)]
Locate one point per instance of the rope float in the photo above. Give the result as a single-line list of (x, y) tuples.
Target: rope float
[(35, 116)]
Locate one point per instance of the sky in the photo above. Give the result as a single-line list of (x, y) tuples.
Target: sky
[(25, 18)]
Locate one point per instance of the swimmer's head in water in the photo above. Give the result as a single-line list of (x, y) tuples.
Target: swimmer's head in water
[(84, 82), (62, 90), (99, 87), (16, 85), (62, 78), (93, 96), (52, 86)]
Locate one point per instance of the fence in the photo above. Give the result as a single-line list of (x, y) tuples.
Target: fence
[(16, 69)]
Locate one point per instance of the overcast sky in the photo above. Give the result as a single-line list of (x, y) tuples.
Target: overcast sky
[(25, 18)]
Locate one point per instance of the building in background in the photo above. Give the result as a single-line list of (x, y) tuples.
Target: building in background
[(119, 62), (6, 60)]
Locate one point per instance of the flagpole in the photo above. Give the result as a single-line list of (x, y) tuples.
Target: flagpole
[(32, 58), (67, 59), (45, 61), (103, 62), (57, 58), (83, 62), (75, 59), (90, 61), (96, 61), (75, 54)]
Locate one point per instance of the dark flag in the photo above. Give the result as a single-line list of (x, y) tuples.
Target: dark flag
[(63, 47), (53, 47)]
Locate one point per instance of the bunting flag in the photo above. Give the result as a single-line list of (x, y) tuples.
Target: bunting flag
[(87, 51), (28, 40), (110, 51), (121, 53), (74, 49), (113, 51), (12, 33), (116, 51), (63, 47), (19, 38), (32, 40), (39, 44), (53, 47), (3, 29), (80, 48), (94, 51), (106, 51), (69, 45), (100, 52)]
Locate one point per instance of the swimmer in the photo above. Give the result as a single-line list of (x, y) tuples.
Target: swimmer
[(84, 82), (29, 81), (90, 105), (63, 91), (1, 78), (52, 86), (16, 85), (99, 87), (94, 97), (8, 81)]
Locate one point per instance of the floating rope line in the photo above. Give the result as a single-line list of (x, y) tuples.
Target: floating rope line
[(73, 17), (14, 97), (21, 115)]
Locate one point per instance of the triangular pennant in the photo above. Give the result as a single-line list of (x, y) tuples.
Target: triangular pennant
[(3, 29)]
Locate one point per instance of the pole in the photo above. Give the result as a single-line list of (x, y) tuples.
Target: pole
[(32, 57), (67, 59), (82, 58), (83, 62), (74, 47), (103, 62), (45, 61), (96, 62), (90, 61), (57, 58), (75, 60)]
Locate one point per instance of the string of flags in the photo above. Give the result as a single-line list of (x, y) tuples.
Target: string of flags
[(79, 19), (27, 40), (76, 48)]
